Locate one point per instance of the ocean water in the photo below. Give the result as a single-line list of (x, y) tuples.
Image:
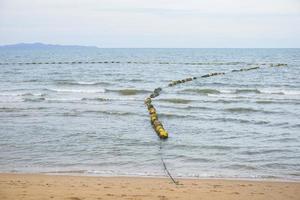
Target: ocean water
[(82, 111)]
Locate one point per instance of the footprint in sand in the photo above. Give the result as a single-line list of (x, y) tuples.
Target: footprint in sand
[(235, 193), (74, 198), (162, 197)]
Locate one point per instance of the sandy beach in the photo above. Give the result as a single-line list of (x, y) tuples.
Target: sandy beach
[(38, 186)]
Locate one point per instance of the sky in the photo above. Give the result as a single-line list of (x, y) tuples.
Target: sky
[(152, 23)]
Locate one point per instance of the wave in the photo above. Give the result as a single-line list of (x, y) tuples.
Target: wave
[(95, 99), (31, 81), (127, 92), (264, 151), (130, 80), (193, 159), (77, 113), (34, 99), (280, 92), (282, 140), (176, 100), (295, 126), (6, 109), (247, 110), (68, 114), (100, 90), (202, 91), (207, 91), (279, 165), (223, 101), (83, 83), (209, 147), (219, 147), (136, 80), (62, 100), (109, 112), (173, 115), (188, 107), (241, 110), (240, 166), (242, 91), (242, 121), (264, 102), (32, 94)]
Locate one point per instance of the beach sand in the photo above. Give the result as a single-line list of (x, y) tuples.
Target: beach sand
[(39, 186)]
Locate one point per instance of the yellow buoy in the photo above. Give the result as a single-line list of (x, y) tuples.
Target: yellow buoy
[(157, 123), (148, 101), (152, 110), (158, 128), (163, 134), (153, 118)]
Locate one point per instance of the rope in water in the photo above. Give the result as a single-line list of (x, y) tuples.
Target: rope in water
[(157, 125), (136, 62), (165, 166)]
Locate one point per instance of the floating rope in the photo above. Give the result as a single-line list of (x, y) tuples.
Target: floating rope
[(157, 125), (135, 62), (165, 166)]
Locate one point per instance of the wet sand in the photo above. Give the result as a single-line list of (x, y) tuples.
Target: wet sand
[(38, 186)]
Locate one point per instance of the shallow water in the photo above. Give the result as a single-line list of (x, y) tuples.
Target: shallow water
[(60, 114)]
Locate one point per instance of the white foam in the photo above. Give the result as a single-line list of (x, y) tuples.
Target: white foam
[(100, 90)]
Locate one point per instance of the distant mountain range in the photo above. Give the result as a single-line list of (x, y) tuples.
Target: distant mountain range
[(44, 46)]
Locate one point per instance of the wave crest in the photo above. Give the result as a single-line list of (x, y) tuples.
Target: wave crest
[(176, 100), (202, 91), (127, 92)]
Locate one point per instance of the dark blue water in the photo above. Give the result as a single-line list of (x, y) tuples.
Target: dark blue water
[(62, 117)]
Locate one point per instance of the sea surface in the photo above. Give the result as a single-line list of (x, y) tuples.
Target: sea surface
[(82, 111)]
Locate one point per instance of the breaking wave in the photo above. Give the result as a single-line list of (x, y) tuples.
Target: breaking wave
[(100, 90), (247, 110), (83, 83), (127, 92), (241, 91), (95, 99), (176, 100), (34, 99), (202, 91)]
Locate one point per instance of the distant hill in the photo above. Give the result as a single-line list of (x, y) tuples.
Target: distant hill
[(41, 46)]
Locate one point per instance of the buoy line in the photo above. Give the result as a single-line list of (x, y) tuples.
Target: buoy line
[(136, 62), (158, 126)]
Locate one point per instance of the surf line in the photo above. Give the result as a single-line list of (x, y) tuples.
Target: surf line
[(158, 126)]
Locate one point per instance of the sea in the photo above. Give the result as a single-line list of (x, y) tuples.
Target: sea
[(81, 111)]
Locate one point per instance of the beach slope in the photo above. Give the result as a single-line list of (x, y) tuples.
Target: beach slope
[(38, 186)]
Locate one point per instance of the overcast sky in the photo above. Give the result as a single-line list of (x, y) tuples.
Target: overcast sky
[(152, 23)]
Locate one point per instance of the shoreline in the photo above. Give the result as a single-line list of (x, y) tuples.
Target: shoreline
[(77, 187), (275, 179)]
